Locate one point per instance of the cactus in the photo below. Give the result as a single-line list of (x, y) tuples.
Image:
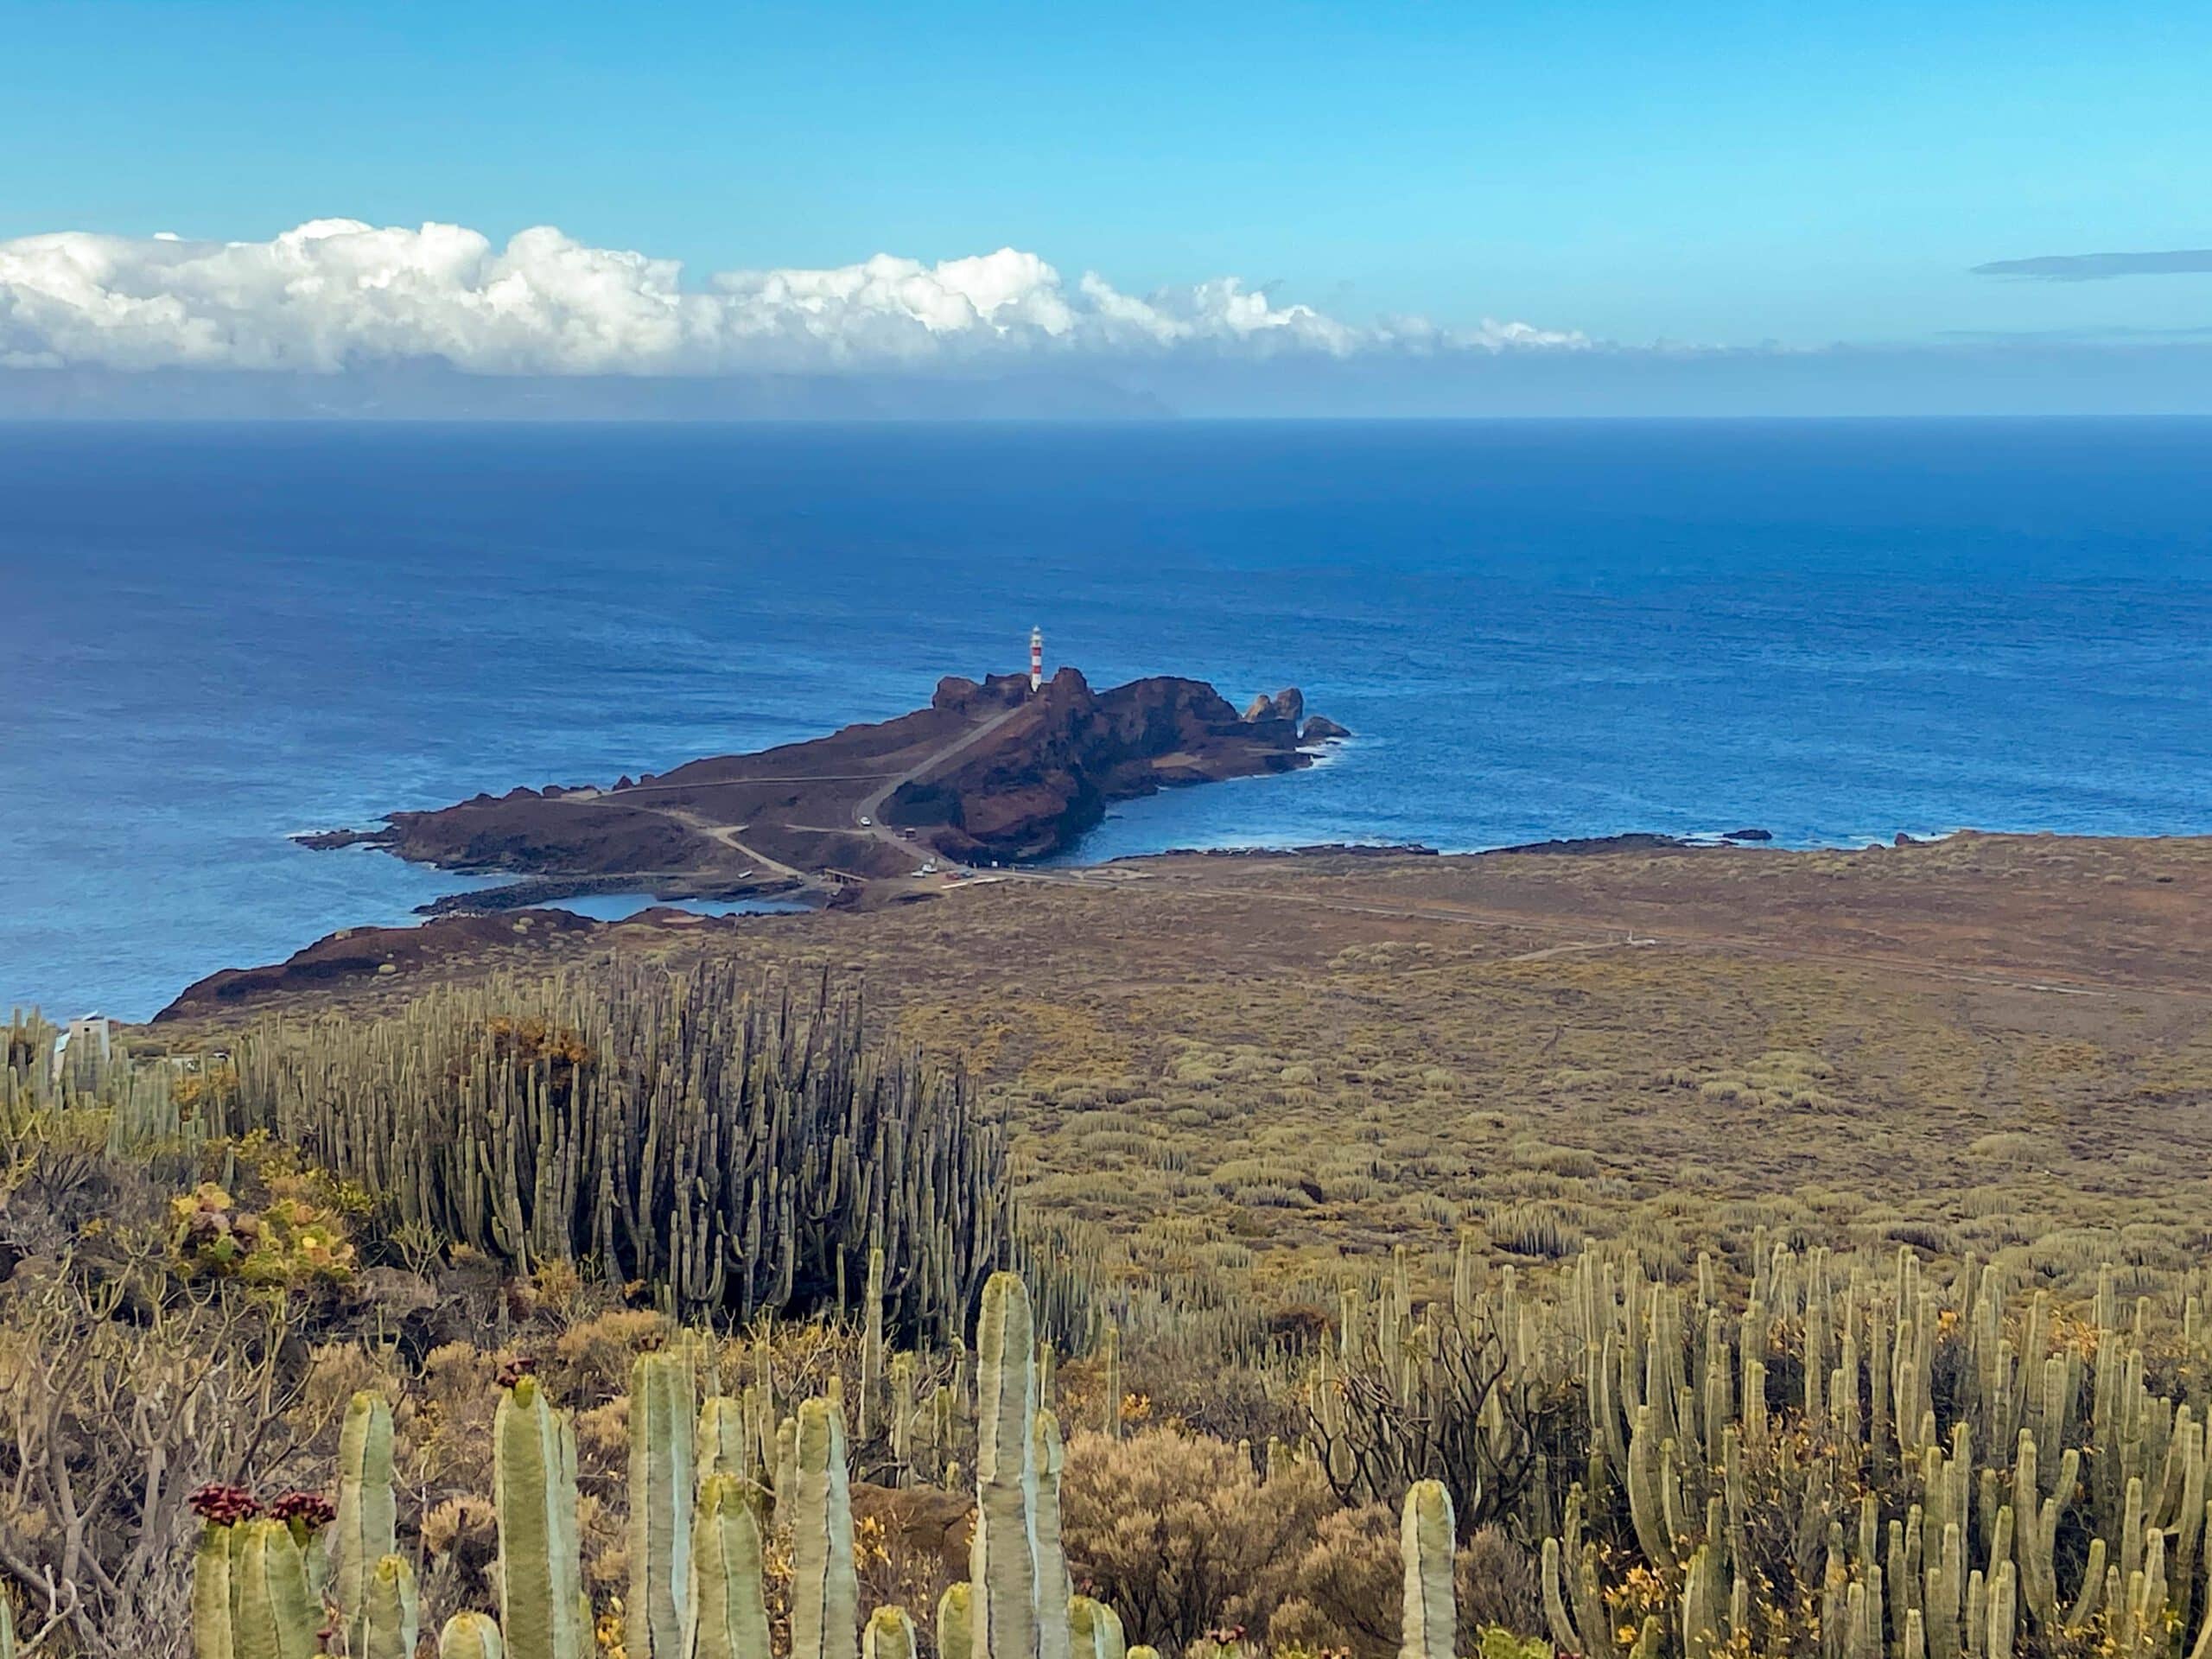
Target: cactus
[(210, 1591), (729, 1614), (273, 1613), (902, 1419), (1094, 1630), (1430, 1618), (391, 1613), (825, 1589), (956, 1622), (664, 1414), (724, 1441), (731, 1150), (1053, 1588), (871, 1344), (1113, 1423), (367, 1529), (1003, 1556), (534, 1483), (470, 1636), (890, 1635), (786, 1487)]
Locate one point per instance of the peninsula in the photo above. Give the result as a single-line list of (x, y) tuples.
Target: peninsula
[(999, 771)]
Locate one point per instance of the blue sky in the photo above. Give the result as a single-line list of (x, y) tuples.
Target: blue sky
[(1703, 174)]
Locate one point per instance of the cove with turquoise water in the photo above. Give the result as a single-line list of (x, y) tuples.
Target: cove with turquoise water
[(214, 636)]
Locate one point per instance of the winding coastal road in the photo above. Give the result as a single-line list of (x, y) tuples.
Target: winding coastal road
[(867, 813)]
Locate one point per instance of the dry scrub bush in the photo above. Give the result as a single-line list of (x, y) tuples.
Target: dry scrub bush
[(1346, 1586), (1181, 1534)]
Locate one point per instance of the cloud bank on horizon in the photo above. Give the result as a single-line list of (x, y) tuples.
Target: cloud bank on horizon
[(337, 293)]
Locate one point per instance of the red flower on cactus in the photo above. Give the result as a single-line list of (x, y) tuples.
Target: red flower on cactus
[(310, 1511), (223, 1506), (516, 1369)]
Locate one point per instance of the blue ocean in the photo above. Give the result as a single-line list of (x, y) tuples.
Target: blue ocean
[(210, 637)]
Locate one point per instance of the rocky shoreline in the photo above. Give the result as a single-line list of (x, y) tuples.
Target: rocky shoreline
[(991, 772)]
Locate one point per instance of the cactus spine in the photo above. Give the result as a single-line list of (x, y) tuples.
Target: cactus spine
[(728, 1617), (534, 1482), (366, 1529), (825, 1589), (273, 1613), (1425, 1538), (890, 1635), (663, 1412), (1003, 1557)]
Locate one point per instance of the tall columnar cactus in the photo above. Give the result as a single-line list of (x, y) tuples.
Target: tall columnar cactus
[(786, 1487), (1094, 1630), (273, 1613), (1425, 1538), (724, 1441), (391, 1613), (664, 1414), (1113, 1423), (471, 1635), (956, 1622), (902, 1419), (1053, 1588), (871, 1346), (367, 1529), (534, 1487), (825, 1588), (729, 1614), (210, 1591), (1002, 1565), (890, 1635)]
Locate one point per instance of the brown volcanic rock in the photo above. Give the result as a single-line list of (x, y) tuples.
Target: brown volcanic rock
[(364, 953), (990, 769), (1048, 775), (531, 833)]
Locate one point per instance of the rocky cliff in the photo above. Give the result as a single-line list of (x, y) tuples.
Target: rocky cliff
[(989, 771), (1048, 775)]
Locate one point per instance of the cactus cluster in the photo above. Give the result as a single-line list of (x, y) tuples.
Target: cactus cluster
[(738, 1153), (270, 1586), (1850, 1461)]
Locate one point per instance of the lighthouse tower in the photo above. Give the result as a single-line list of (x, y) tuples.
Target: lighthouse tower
[(1036, 657)]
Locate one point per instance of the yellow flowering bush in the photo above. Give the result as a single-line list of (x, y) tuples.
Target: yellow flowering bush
[(289, 1244)]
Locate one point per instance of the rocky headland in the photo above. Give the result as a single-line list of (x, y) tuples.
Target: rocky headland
[(990, 772)]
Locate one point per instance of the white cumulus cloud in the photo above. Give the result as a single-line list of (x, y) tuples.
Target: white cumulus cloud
[(336, 292)]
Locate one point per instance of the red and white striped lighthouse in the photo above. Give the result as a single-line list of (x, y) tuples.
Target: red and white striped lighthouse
[(1036, 657)]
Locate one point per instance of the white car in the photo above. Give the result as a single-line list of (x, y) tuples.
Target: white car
[(866, 823)]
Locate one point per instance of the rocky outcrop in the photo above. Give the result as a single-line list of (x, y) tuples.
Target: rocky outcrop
[(1321, 730), (990, 769), (357, 954), (1048, 775)]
